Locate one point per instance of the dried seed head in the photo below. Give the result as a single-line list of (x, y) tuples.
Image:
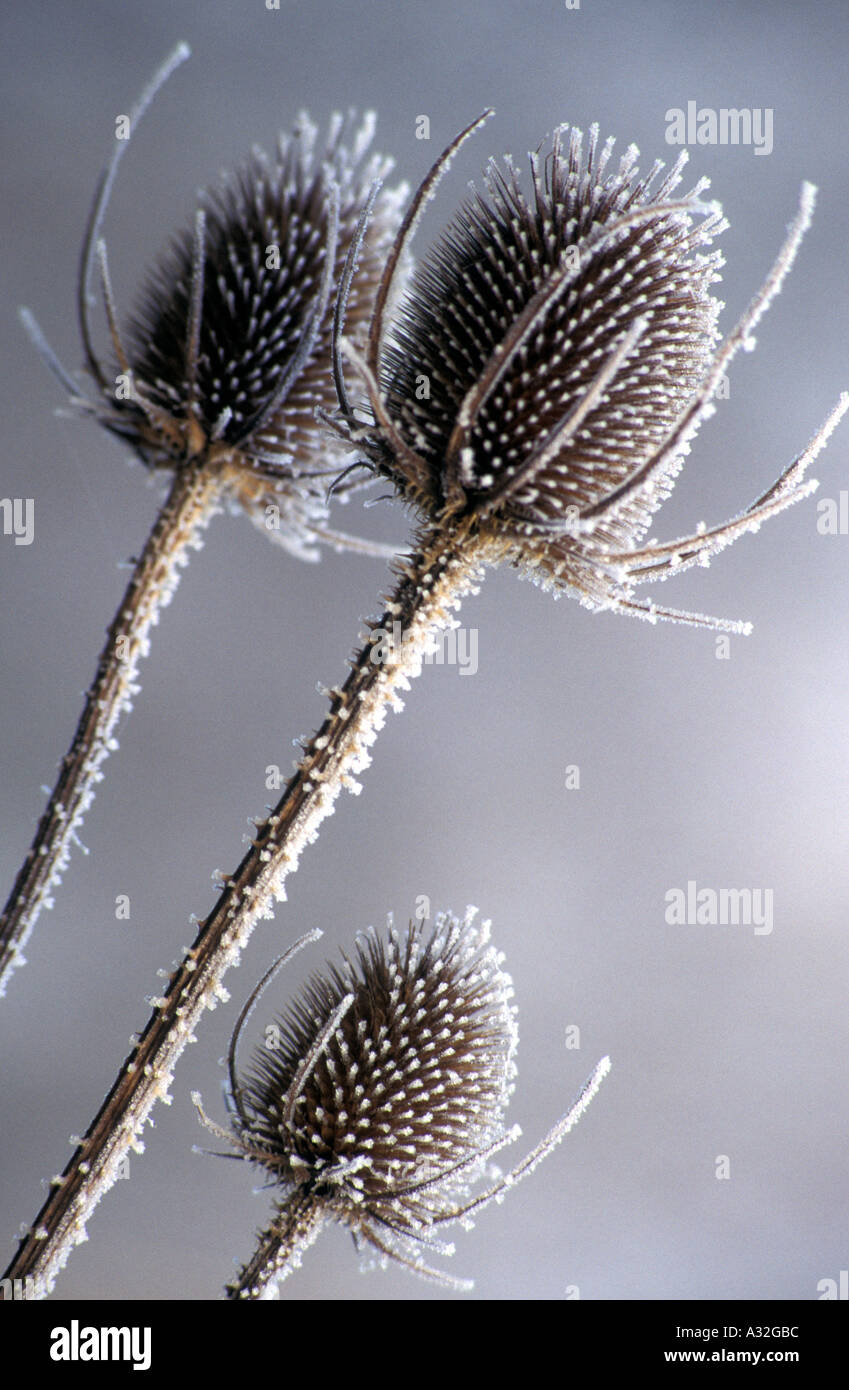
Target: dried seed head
[(571, 253), (383, 1095), (227, 354), (412, 1080), (543, 377), (268, 231)]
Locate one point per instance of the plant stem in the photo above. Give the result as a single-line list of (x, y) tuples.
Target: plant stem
[(279, 1249), (446, 566), (188, 508)]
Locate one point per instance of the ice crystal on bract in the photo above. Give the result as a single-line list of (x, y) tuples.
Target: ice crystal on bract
[(541, 380), (383, 1097)]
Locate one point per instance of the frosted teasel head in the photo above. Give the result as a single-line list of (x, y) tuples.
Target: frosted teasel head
[(542, 378), (383, 1098), (227, 353)]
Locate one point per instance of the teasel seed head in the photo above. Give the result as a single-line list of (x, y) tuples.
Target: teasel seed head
[(558, 250), (227, 353), (541, 380), (384, 1096)]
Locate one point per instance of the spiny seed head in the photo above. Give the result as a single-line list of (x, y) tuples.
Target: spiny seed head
[(379, 1098), (411, 1082), (227, 357), (268, 229), (558, 250), (539, 385)]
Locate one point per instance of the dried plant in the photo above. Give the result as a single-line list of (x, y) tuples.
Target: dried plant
[(383, 1098), (547, 370), (215, 383), (568, 345)]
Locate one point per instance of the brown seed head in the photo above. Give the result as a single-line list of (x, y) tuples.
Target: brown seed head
[(514, 312), (268, 230), (540, 383), (416, 1038), (227, 354), (379, 1097)]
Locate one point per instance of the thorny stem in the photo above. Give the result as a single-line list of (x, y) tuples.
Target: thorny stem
[(430, 587), (279, 1248), (189, 506)]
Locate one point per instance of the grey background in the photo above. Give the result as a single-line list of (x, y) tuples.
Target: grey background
[(731, 773)]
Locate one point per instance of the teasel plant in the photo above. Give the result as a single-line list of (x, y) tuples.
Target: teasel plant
[(530, 400), (214, 383), (378, 1099)]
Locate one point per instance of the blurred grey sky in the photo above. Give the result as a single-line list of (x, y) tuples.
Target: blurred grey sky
[(730, 773)]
